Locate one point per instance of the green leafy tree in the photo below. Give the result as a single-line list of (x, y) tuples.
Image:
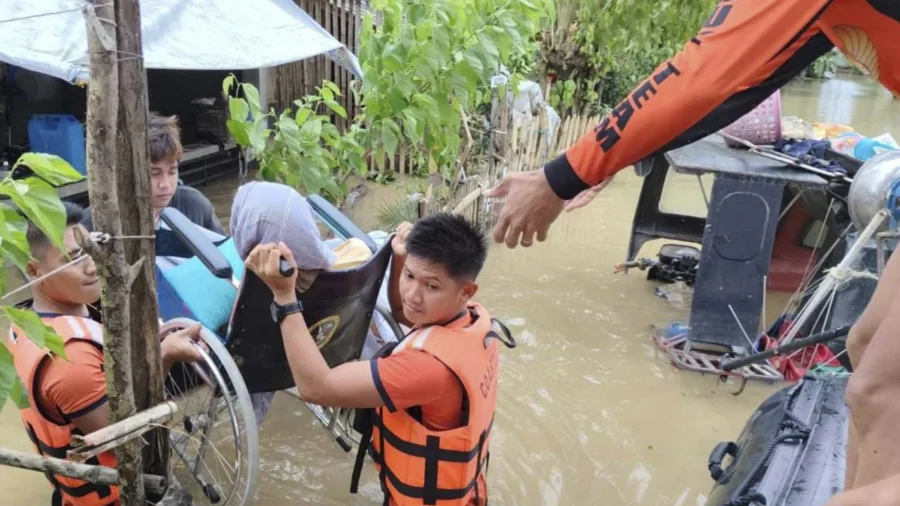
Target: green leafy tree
[(36, 198), (426, 62), (424, 65), (604, 48), (303, 149)]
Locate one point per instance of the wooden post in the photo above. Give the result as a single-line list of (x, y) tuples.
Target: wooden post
[(133, 179), (102, 107)]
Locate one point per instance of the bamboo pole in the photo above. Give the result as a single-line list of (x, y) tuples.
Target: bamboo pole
[(467, 201), (102, 108), (98, 475), (87, 446)]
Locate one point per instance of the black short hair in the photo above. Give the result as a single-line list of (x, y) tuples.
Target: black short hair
[(38, 240), (449, 240)]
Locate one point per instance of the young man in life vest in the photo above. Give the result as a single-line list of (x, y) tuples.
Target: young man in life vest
[(68, 396), (434, 394)]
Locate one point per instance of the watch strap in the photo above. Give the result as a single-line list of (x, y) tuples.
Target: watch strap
[(287, 309)]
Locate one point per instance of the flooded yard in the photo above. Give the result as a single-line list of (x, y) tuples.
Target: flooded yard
[(590, 412)]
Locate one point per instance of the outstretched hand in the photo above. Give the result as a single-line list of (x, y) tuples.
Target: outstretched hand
[(531, 207), (587, 196)]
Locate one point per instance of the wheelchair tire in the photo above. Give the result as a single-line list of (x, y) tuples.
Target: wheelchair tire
[(223, 371)]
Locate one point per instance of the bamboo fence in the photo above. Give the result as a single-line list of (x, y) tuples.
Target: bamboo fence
[(342, 19), (527, 144)]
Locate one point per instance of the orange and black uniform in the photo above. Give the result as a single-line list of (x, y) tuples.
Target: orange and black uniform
[(746, 50), (60, 391), (431, 440)]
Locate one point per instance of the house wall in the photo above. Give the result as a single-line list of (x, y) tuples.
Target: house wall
[(170, 92), (341, 18)]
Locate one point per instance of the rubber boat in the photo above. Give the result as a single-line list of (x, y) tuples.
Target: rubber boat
[(791, 451)]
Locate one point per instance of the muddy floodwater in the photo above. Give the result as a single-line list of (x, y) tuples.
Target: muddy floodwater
[(590, 412)]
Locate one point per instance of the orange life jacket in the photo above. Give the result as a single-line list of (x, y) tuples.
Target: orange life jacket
[(419, 466), (51, 433)]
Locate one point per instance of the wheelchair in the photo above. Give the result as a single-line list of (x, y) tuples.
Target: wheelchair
[(214, 440)]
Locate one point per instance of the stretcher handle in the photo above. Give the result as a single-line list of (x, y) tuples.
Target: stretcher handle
[(286, 269)]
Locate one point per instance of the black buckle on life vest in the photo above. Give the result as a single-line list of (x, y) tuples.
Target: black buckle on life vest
[(509, 342), (433, 454)]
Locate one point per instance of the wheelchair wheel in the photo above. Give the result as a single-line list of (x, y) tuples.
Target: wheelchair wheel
[(214, 438)]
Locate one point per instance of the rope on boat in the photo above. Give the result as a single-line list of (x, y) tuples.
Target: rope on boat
[(843, 275), (799, 432)]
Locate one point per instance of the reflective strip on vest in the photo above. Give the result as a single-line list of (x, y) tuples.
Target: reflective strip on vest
[(51, 438)]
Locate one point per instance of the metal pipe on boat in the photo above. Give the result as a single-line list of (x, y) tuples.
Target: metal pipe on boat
[(737, 363), (831, 280), (784, 158)]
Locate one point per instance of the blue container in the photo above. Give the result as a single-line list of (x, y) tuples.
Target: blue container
[(61, 135)]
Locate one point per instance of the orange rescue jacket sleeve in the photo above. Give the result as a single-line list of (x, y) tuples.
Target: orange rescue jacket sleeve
[(745, 51)]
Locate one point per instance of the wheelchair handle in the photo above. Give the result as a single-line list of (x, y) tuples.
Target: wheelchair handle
[(285, 268), (717, 456)]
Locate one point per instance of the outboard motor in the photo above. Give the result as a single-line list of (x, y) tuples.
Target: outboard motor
[(675, 262)]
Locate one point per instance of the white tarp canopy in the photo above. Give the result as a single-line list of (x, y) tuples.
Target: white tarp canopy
[(50, 36)]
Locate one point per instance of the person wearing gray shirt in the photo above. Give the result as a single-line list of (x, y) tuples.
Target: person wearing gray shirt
[(164, 139)]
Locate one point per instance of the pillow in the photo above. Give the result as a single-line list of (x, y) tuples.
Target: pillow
[(211, 299)]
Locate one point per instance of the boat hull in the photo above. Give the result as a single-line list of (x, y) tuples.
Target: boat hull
[(791, 451)]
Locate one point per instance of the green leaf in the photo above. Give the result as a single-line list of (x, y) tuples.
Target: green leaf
[(474, 63), (410, 123), (333, 87), (13, 242), (358, 163), (460, 85), (327, 94), (50, 167), (389, 136), (397, 101), (252, 95), (238, 108), (227, 83), (238, 130), (302, 114), (36, 330), (18, 394), (330, 131), (41, 205), (337, 108), (490, 47), (287, 125), (380, 158), (7, 373), (312, 129), (258, 134)]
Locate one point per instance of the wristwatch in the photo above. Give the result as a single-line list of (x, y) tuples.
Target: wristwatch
[(279, 312)]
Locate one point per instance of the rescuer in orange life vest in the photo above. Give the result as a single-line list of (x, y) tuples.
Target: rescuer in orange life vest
[(434, 394), (68, 396), (745, 51)]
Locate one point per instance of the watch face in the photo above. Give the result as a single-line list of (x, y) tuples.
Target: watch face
[(274, 310)]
